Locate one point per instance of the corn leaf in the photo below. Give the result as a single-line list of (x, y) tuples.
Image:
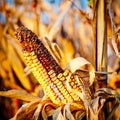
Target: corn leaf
[(19, 94)]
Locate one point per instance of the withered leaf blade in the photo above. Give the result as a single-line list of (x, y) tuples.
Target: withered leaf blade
[(67, 112), (94, 108), (56, 27), (79, 62), (19, 94), (58, 114), (26, 111), (18, 68)]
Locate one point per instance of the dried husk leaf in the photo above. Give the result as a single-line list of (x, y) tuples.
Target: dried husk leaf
[(79, 115), (77, 63), (47, 107), (26, 111), (115, 46), (94, 108), (67, 112), (110, 96), (117, 113), (58, 114)]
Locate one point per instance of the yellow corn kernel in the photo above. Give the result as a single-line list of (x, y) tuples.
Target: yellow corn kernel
[(51, 72), (66, 73), (60, 75), (62, 78)]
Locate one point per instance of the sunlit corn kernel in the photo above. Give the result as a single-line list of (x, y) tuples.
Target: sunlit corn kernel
[(53, 75), (34, 57), (65, 92), (34, 69), (66, 73), (74, 95), (29, 62), (42, 70), (48, 88), (62, 89), (32, 65), (52, 94), (62, 78), (45, 75), (64, 101), (76, 98), (32, 53), (44, 85), (35, 61), (51, 72), (26, 54), (60, 86), (57, 102), (39, 65), (55, 80), (74, 86), (53, 98), (72, 83), (28, 58), (60, 75), (59, 83)]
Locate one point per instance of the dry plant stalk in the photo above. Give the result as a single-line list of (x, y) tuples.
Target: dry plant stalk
[(47, 71)]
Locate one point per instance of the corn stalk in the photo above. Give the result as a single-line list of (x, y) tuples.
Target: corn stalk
[(100, 45), (100, 37)]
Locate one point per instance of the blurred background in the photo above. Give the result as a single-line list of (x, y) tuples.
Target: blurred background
[(71, 28)]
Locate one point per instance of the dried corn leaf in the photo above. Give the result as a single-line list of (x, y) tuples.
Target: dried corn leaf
[(94, 108), (115, 46), (37, 112), (79, 62), (79, 115), (56, 27), (56, 52), (68, 49), (107, 91), (58, 114), (26, 111), (17, 48), (67, 112), (110, 95), (59, 55), (17, 66), (48, 110), (19, 94), (115, 30), (117, 113)]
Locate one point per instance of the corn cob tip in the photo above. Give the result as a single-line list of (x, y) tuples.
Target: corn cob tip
[(27, 38), (32, 44)]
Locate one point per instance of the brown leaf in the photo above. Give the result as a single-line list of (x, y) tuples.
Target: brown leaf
[(19, 94), (58, 114), (26, 111), (94, 108), (67, 112)]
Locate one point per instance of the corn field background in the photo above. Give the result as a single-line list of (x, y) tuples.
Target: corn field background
[(88, 30)]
